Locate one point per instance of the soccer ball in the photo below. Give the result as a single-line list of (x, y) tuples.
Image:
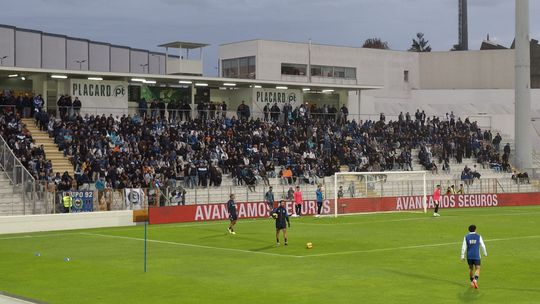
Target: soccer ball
[(309, 245), (274, 215)]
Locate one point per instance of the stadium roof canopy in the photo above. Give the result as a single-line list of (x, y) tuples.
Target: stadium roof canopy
[(183, 45), (182, 80)]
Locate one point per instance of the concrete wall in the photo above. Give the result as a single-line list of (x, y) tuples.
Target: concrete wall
[(36, 49), (99, 57), (54, 222), (138, 58), (184, 66), (7, 47), (157, 64), (53, 52), (373, 67), (77, 50), (491, 69), (27, 49), (119, 59)]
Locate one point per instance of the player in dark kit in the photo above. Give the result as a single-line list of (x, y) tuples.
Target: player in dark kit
[(282, 219), (471, 244), (233, 215)]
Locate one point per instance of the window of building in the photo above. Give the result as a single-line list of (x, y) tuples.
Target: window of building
[(293, 69), (406, 76), (316, 70), (230, 68), (339, 72), (251, 67), (243, 67), (327, 71), (350, 73)]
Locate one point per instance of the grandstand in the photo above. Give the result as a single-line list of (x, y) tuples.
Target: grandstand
[(150, 120), (75, 152)]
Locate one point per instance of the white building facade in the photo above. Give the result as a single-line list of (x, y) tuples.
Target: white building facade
[(475, 84)]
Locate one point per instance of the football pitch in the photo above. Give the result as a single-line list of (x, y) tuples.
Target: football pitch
[(370, 258)]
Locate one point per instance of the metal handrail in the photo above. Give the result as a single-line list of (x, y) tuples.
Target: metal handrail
[(17, 161)]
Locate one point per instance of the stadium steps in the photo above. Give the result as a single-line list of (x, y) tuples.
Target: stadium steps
[(60, 163), (10, 199)]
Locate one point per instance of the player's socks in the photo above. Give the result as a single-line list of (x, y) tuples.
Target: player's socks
[(285, 242), (471, 279)]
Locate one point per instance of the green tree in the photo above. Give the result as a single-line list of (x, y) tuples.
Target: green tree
[(375, 43), (420, 44)]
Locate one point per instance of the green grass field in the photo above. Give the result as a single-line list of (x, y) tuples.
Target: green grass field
[(375, 258)]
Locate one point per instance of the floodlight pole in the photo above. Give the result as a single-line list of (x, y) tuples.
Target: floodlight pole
[(80, 62), (2, 60), (143, 67)]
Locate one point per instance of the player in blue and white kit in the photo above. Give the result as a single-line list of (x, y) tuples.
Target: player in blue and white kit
[(233, 215), (471, 244)]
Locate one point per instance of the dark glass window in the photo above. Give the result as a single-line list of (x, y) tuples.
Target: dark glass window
[(293, 69)]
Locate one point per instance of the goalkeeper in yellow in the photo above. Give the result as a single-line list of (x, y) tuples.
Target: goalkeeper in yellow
[(281, 216)]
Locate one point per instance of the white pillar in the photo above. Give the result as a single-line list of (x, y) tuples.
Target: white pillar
[(523, 146), (193, 107), (166, 59)]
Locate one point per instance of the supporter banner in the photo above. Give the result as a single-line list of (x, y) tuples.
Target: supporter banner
[(281, 97), (210, 212), (107, 94), (83, 201), (133, 198)]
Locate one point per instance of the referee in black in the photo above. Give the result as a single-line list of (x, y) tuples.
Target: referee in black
[(281, 216), (233, 215)]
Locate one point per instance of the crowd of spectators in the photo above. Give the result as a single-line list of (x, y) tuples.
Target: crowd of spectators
[(155, 148), (142, 151)]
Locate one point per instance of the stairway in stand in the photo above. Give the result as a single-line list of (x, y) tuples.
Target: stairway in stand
[(59, 162)]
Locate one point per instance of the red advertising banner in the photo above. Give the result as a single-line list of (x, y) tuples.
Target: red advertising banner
[(408, 203), (210, 212)]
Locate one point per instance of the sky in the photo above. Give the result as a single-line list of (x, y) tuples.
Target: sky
[(146, 24)]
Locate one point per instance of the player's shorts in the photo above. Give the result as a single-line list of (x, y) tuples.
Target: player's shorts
[(233, 216), (280, 226), (319, 203), (473, 262)]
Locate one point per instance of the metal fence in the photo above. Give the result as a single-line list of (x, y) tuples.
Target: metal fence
[(17, 185), (383, 188), (47, 200)]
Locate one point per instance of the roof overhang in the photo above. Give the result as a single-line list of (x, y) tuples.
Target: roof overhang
[(183, 45), (174, 79)]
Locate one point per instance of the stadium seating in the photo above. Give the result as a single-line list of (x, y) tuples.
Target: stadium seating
[(131, 151)]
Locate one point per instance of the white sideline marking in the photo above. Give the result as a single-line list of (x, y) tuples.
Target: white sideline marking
[(415, 246), (189, 245), (269, 253), (427, 217), (187, 225), (35, 236)]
